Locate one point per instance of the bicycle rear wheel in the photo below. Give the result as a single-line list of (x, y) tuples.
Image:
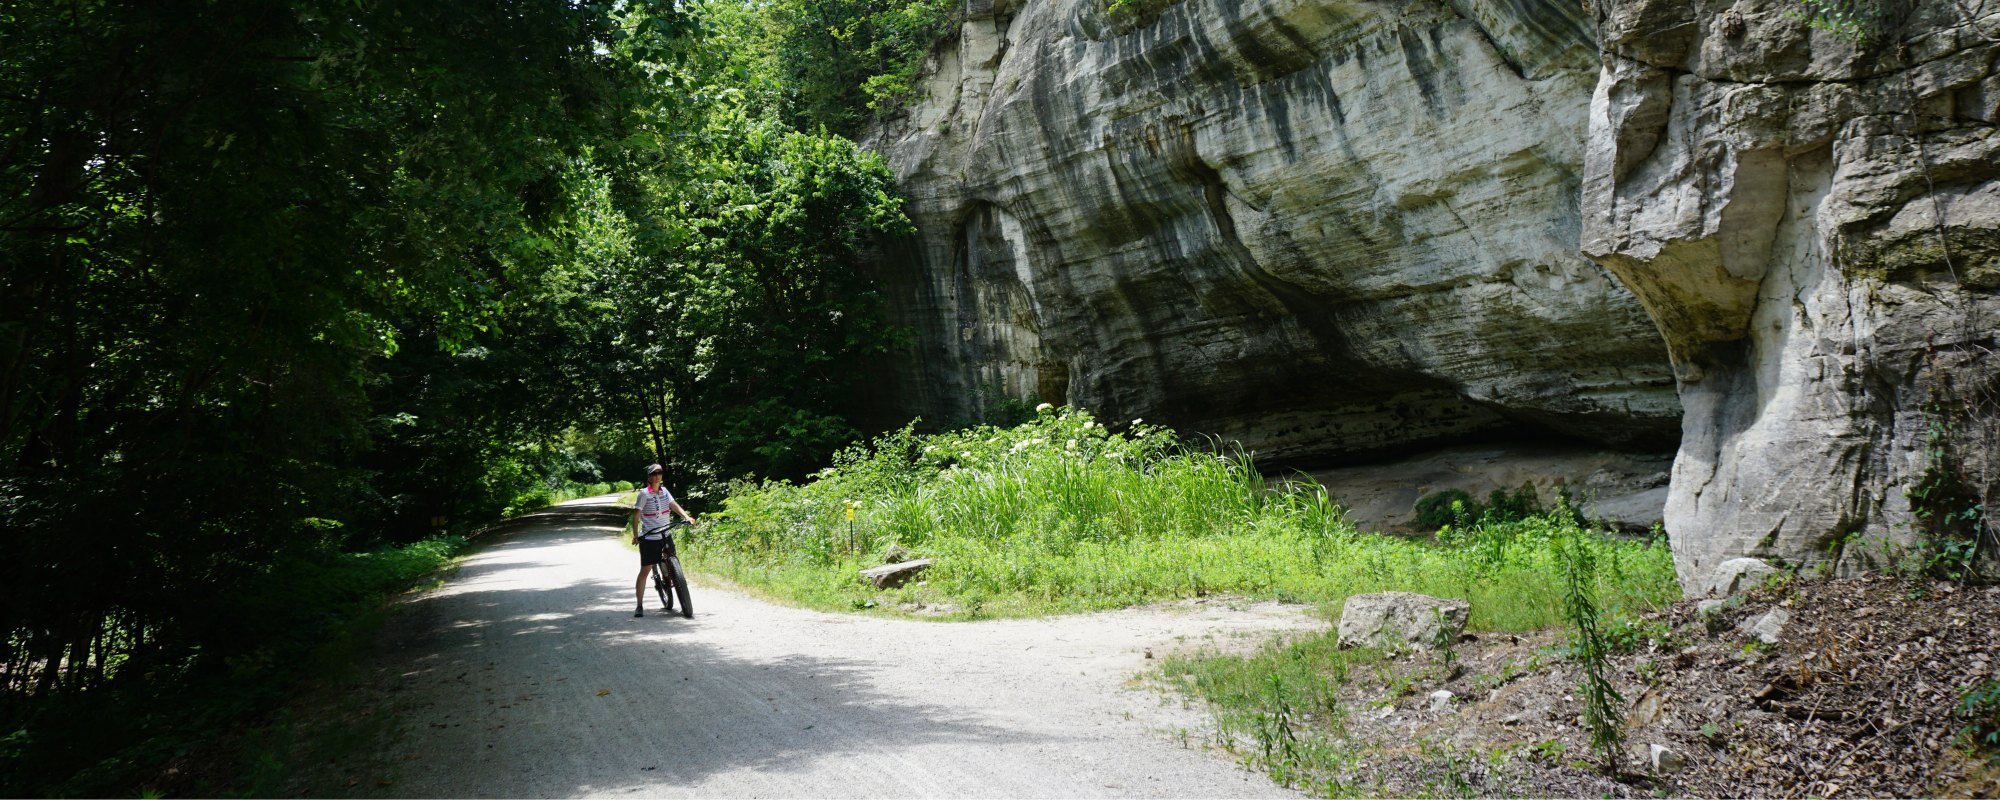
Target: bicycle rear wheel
[(660, 584), (680, 582)]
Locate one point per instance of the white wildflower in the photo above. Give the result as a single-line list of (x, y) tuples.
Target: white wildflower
[(1043, 408), (1136, 421)]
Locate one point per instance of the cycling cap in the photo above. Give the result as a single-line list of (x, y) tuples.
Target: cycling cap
[(655, 468)]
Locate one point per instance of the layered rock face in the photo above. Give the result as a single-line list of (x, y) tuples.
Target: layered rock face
[(1325, 228), (1814, 224), (1344, 228)]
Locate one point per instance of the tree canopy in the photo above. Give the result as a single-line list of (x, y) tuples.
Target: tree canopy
[(310, 276)]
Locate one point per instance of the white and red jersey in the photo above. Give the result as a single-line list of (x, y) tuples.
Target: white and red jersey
[(655, 511)]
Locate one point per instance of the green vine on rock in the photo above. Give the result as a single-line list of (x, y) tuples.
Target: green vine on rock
[(1853, 20), (1949, 511)]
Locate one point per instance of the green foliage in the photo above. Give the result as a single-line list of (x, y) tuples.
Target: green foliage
[(1980, 706), (1950, 515), (1455, 507), (1002, 410), (218, 224), (1445, 507), (1285, 703), (293, 620), (842, 61), (257, 265), (768, 306), (1625, 634), (706, 295), (1444, 643), (1550, 749), (1284, 709), (1592, 652), (1063, 514), (1854, 20), (1522, 503), (1127, 15), (732, 302)]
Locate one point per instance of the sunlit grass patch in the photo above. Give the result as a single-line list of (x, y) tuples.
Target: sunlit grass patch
[(1281, 709), (1061, 514)]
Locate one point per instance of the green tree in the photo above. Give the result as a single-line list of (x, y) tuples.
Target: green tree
[(843, 61), (723, 297), (217, 222), (282, 278)]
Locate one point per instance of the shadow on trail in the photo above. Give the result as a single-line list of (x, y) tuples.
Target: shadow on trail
[(529, 676)]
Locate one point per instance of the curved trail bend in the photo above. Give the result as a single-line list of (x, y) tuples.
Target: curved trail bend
[(527, 676)]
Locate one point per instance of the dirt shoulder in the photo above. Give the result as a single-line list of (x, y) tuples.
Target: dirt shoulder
[(1859, 695)]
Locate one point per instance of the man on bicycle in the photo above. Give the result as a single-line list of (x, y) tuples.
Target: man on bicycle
[(652, 514)]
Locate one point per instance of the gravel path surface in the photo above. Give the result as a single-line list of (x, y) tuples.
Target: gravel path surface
[(526, 675)]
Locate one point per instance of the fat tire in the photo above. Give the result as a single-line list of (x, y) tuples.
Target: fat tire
[(660, 582), (680, 582)]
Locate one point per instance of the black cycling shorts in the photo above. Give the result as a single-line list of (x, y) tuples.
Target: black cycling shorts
[(652, 551)]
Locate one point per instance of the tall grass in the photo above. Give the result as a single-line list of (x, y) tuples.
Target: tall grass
[(1062, 514)]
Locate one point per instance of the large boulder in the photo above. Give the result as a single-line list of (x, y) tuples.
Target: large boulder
[(1340, 229), (1813, 221), (1324, 228), (889, 576), (1401, 621), (1735, 576)]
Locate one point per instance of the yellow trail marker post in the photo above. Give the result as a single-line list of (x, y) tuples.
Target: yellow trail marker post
[(850, 526)]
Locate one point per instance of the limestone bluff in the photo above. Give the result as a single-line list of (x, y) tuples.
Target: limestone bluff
[(1338, 230)]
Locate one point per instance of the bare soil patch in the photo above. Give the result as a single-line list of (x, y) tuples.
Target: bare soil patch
[(1860, 696)]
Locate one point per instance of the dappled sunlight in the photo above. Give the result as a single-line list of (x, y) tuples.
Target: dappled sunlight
[(698, 709), (530, 677)]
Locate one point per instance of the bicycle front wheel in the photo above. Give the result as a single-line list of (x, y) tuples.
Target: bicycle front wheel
[(680, 586), (660, 584)]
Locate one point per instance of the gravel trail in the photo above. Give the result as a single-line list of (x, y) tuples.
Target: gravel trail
[(527, 676)]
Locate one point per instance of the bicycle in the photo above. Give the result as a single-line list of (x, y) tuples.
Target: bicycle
[(668, 578)]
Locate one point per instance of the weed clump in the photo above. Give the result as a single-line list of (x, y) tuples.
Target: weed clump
[(1455, 507), (1062, 513)]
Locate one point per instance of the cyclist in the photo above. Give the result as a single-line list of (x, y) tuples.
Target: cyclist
[(650, 520)]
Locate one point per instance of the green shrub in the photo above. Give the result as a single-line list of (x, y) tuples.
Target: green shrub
[(1061, 514), (1456, 507), (1857, 21), (843, 61), (529, 500), (1980, 705), (1520, 504), (305, 613), (1445, 507)]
